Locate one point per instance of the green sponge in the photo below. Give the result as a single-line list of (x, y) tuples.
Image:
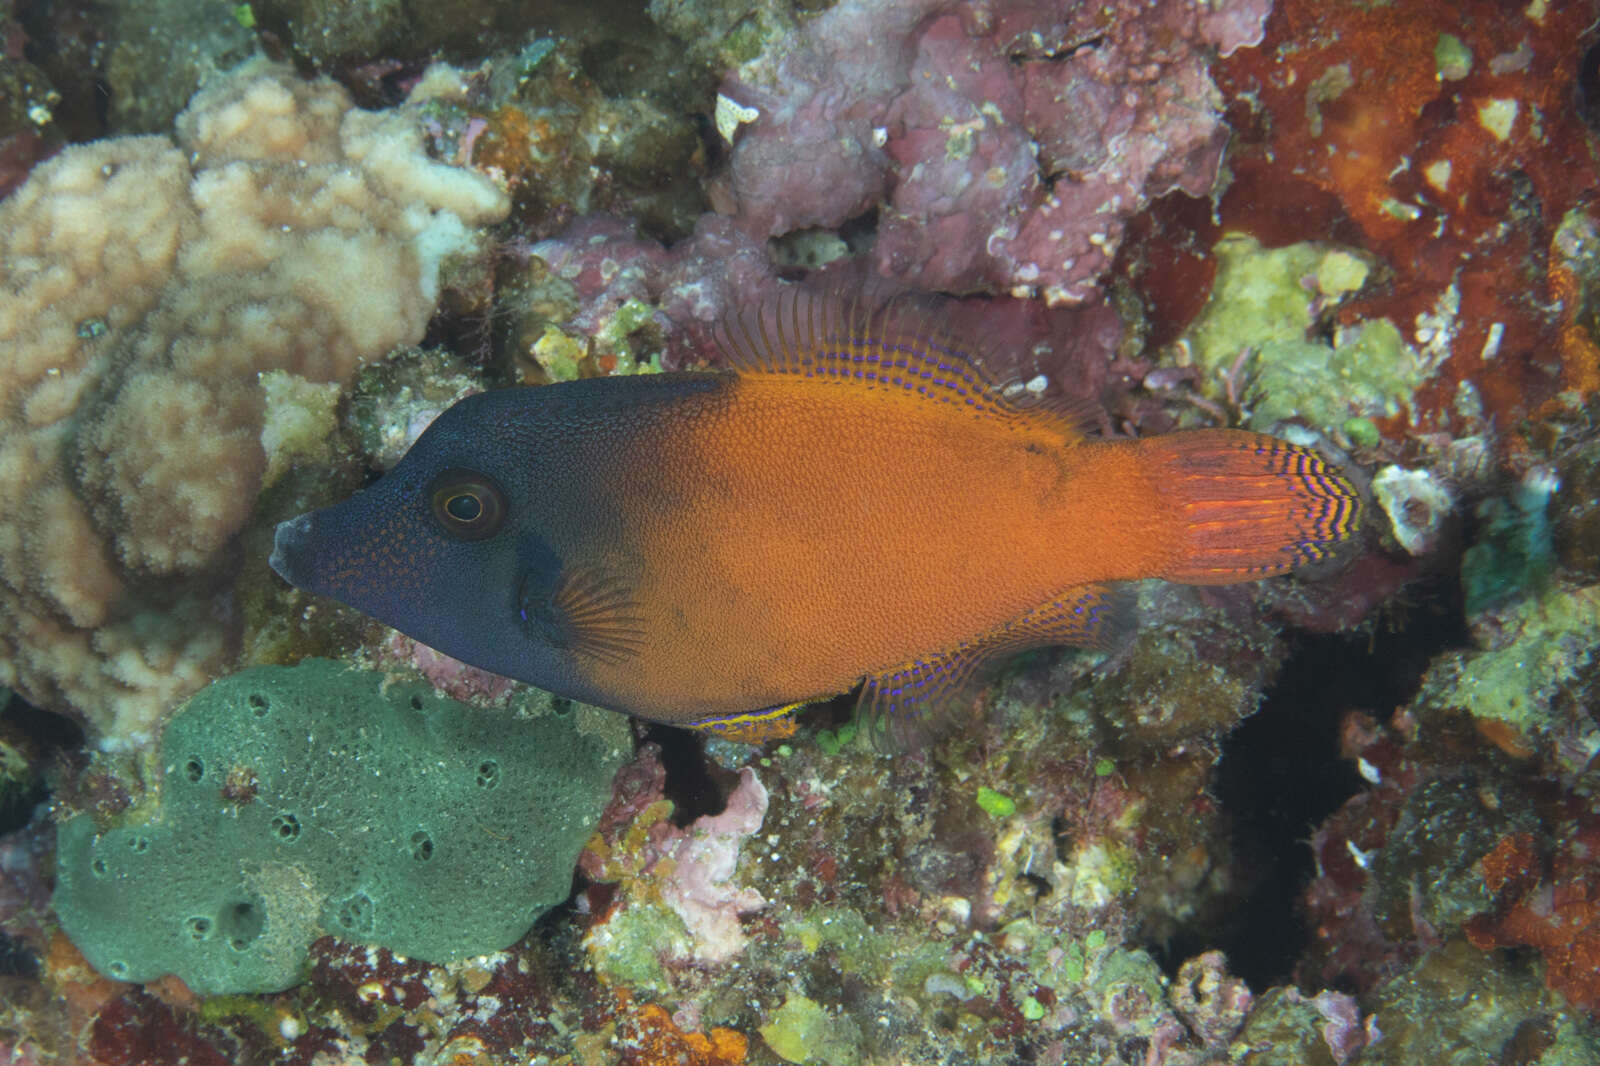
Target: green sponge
[(310, 800)]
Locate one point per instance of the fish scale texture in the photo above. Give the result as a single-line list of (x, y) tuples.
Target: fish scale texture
[(303, 801)]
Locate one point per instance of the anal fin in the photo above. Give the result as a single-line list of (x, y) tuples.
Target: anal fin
[(906, 705), (1084, 616)]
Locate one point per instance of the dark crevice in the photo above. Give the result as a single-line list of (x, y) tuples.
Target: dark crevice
[(1589, 87), (16, 960), (1281, 775), (694, 784), (43, 738)]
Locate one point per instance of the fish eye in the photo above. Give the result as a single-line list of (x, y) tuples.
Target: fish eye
[(467, 504)]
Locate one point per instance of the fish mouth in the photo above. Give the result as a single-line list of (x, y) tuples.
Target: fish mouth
[(287, 544)]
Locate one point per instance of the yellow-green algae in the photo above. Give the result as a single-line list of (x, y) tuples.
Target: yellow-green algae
[(1549, 640), (1266, 301), (803, 1031), (628, 341), (996, 804), (627, 948), (1452, 58)]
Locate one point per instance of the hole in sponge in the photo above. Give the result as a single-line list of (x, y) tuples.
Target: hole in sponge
[(488, 774), (242, 923), (354, 914), (98, 867), (194, 770), (421, 846), (139, 844), (258, 704), (117, 968), (286, 827), (416, 702), (199, 927)]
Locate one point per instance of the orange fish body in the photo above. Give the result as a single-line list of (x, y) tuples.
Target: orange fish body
[(854, 502)]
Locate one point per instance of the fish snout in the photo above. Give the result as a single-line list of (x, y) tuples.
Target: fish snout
[(288, 544)]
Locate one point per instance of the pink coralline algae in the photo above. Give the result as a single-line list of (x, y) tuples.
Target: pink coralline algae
[(1003, 144), (692, 872), (702, 890), (450, 676)]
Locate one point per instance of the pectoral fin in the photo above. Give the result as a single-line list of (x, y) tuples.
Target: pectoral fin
[(587, 610)]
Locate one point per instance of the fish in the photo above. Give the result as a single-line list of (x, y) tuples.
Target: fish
[(854, 501)]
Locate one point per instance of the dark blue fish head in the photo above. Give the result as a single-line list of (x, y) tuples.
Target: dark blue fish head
[(449, 544)]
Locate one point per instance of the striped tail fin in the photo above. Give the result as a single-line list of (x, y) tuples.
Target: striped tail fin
[(1254, 506)]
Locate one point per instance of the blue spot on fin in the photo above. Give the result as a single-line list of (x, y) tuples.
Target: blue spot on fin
[(917, 700), (895, 345)]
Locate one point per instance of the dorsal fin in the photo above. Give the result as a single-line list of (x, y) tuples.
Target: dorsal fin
[(897, 344)]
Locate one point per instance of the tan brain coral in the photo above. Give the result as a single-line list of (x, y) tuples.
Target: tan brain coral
[(143, 287)]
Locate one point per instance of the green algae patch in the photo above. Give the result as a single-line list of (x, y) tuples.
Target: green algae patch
[(1515, 552), (560, 354), (1363, 432), (1126, 977), (632, 335), (628, 947), (995, 804), (864, 951), (1449, 1007), (1266, 302), (1452, 58), (834, 741)]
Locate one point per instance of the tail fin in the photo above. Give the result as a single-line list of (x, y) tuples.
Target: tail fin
[(1255, 506)]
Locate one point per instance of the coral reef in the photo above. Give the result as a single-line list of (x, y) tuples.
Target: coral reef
[(157, 55), (150, 283), (27, 116), (678, 884), (1533, 682), (1548, 903), (1375, 233), (572, 138)]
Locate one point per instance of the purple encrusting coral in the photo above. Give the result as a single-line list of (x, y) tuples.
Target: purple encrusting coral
[(1055, 883)]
